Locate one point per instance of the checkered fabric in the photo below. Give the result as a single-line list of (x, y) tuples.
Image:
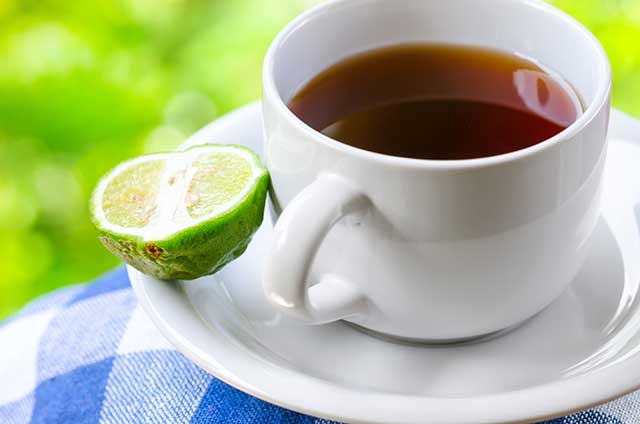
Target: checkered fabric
[(88, 354)]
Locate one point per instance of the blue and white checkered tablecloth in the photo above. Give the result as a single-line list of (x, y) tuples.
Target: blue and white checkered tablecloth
[(88, 354)]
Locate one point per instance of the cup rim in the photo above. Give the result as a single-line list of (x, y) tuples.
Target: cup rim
[(600, 100)]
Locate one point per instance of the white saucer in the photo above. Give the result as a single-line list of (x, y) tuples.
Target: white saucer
[(582, 350)]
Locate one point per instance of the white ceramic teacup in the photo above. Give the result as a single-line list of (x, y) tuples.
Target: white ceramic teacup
[(421, 249)]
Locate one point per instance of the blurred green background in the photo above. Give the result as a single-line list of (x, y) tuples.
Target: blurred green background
[(84, 85)]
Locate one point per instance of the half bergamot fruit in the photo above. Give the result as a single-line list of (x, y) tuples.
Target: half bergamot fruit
[(181, 215)]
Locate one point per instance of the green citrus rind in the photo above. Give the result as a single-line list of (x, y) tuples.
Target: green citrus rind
[(198, 250)]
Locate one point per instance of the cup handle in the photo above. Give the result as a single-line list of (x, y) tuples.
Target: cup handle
[(300, 230)]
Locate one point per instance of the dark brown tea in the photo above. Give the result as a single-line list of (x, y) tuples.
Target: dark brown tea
[(432, 101)]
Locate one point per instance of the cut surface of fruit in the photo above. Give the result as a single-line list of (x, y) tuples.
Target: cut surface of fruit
[(130, 198), (152, 196), (182, 214), (219, 178)]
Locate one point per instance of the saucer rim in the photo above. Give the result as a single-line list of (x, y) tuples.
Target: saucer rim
[(329, 400)]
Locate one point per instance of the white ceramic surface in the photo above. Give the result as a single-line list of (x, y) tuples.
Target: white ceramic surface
[(582, 350), (430, 250)]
